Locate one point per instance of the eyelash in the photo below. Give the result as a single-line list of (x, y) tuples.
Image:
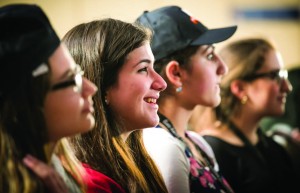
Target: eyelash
[(145, 69), (210, 56)]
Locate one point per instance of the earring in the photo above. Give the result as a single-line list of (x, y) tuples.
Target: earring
[(179, 89), (106, 101), (244, 99)]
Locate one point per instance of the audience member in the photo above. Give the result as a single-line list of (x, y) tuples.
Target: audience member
[(285, 129), (255, 87), (117, 56), (43, 98), (185, 58)]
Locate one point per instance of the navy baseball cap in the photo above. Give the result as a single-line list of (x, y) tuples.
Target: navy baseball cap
[(27, 40), (174, 29)]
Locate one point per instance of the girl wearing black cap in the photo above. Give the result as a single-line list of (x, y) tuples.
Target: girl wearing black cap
[(43, 98), (185, 58)]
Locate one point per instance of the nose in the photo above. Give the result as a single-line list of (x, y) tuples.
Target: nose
[(159, 83), (88, 88), (222, 67), (286, 86)]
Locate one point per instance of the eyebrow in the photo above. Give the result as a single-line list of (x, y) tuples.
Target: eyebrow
[(66, 74), (208, 48), (143, 61)]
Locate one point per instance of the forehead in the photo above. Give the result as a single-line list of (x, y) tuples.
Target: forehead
[(60, 61), (273, 61), (205, 48), (143, 52)]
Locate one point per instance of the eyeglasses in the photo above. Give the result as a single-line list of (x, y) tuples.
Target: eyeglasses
[(75, 81), (278, 75)]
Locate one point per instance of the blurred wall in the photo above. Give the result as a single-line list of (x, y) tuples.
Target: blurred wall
[(64, 14)]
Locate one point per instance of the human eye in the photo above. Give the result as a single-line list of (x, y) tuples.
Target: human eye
[(64, 84), (74, 79), (145, 69), (210, 56), (275, 76)]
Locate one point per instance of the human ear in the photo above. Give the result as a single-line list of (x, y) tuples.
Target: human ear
[(239, 88), (173, 73)]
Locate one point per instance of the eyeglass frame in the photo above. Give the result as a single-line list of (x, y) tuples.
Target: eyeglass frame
[(278, 75), (75, 81)]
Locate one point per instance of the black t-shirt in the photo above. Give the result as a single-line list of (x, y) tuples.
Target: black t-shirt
[(248, 174)]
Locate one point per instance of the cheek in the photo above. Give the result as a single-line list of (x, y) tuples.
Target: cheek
[(62, 116), (263, 94), (130, 91)]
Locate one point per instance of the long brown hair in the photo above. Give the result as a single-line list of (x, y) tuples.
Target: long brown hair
[(101, 47)]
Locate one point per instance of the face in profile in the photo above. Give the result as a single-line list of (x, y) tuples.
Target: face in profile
[(271, 88), (201, 83), (68, 105), (134, 97)]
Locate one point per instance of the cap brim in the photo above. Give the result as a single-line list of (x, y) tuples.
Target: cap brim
[(212, 36)]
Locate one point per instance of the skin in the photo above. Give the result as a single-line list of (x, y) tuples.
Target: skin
[(67, 112), (73, 112), (204, 78), (200, 86), (135, 94), (271, 94), (47, 174), (272, 97)]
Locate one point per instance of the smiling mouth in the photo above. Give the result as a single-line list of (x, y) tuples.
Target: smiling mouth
[(151, 100)]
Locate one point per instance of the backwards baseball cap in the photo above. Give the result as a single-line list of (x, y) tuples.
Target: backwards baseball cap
[(174, 30), (27, 40)]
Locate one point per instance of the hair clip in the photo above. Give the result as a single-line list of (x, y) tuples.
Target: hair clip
[(41, 69)]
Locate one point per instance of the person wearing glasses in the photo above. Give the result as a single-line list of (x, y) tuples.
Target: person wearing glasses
[(43, 99), (255, 87), (116, 55)]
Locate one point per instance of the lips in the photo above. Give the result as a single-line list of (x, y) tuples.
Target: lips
[(88, 108), (282, 99)]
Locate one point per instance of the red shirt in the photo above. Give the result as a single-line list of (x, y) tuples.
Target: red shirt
[(100, 183)]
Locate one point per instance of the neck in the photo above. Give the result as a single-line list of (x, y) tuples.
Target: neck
[(202, 118), (248, 125), (125, 135), (177, 115)]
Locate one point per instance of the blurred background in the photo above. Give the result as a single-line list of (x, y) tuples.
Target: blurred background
[(278, 20)]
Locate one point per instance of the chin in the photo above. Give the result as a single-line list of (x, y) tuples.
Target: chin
[(277, 113), (214, 103), (154, 122)]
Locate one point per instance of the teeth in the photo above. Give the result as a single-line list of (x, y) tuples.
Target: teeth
[(151, 100)]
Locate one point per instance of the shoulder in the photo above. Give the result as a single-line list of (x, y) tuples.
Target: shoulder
[(215, 140), (156, 133), (163, 148), (161, 140), (99, 183), (169, 155)]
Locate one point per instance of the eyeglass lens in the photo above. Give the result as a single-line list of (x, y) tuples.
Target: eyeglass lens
[(75, 81)]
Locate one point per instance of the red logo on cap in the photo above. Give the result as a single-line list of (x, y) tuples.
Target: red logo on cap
[(194, 20)]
